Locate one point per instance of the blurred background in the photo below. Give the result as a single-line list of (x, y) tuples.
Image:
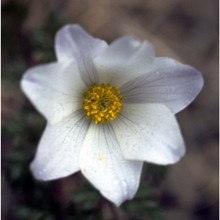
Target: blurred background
[(182, 29)]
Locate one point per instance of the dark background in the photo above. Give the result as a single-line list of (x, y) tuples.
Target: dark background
[(183, 29)]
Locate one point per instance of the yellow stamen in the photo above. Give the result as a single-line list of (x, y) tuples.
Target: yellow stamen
[(102, 103)]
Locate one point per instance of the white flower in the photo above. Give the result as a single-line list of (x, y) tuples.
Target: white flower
[(109, 108)]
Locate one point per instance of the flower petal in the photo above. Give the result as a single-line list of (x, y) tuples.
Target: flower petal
[(73, 42), (149, 132), (125, 59), (55, 89), (101, 161), (59, 147), (171, 83)]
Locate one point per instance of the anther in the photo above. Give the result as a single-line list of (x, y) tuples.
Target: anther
[(102, 103)]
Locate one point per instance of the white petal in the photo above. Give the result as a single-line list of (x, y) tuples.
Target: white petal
[(149, 132), (171, 83), (73, 42), (55, 89), (124, 59), (101, 161), (59, 147)]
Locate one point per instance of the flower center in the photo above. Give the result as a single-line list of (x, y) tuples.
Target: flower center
[(102, 103)]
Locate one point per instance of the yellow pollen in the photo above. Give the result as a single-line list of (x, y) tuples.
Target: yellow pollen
[(102, 103)]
